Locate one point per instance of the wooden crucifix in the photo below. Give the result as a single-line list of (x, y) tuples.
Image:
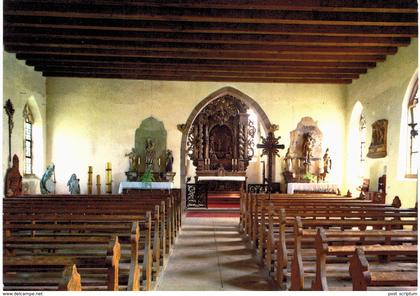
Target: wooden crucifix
[(270, 147), (10, 111)]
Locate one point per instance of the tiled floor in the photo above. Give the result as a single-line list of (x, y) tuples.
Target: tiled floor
[(211, 255)]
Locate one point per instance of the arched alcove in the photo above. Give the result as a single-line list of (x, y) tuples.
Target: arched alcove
[(248, 101)]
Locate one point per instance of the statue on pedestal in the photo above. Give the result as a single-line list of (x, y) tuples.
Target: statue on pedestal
[(133, 160), (169, 161), (150, 154), (47, 184), (327, 162), (73, 185), (13, 184), (308, 143), (169, 166)]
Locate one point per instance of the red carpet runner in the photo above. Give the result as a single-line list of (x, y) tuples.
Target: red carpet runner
[(212, 214)]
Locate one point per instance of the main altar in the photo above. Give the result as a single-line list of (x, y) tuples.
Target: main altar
[(220, 146)]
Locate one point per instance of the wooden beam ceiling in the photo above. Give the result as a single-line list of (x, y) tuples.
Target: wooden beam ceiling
[(308, 41)]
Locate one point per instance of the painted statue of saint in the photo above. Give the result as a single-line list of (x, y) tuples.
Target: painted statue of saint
[(169, 161), (327, 162), (73, 184), (150, 153), (307, 146), (47, 184), (133, 160), (288, 160)]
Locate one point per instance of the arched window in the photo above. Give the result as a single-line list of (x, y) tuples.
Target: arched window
[(413, 122), (28, 139)]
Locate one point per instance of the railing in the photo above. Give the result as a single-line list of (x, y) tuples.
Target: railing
[(197, 195)]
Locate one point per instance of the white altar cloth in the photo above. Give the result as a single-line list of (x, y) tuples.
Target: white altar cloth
[(318, 187), (221, 178), (144, 185)]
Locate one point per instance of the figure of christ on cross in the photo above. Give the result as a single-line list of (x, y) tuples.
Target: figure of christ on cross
[(270, 147)]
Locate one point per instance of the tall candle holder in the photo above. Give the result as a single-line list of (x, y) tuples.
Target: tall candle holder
[(90, 183), (98, 184), (108, 178)]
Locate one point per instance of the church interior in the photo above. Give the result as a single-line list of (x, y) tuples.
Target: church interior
[(210, 145)]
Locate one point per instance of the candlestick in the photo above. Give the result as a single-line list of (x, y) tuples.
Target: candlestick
[(98, 184), (89, 184), (108, 178)]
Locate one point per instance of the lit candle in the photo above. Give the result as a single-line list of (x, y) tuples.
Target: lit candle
[(233, 162), (159, 161), (108, 165)]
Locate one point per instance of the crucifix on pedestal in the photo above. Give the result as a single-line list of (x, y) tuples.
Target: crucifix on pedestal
[(270, 146), (10, 111)]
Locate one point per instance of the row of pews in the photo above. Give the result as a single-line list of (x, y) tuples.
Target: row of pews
[(88, 242), (328, 242)]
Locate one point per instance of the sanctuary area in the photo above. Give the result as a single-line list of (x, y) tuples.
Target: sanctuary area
[(210, 145)]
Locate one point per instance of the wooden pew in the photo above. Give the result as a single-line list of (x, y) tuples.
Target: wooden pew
[(69, 280), (320, 209), (127, 202), (363, 277), (276, 240), (324, 249), (96, 210), (46, 232), (100, 270)]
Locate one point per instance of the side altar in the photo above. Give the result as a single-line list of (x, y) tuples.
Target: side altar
[(149, 160)]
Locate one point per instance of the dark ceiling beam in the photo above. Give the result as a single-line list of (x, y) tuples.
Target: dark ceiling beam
[(201, 78), (400, 6), (182, 73), (207, 27), (197, 47), (46, 58), (18, 33), (180, 54), (123, 12), (193, 68)]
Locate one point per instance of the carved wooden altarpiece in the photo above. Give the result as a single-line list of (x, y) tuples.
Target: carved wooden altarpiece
[(220, 141)]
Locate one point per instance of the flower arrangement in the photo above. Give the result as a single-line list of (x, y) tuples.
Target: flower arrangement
[(310, 177), (147, 176)]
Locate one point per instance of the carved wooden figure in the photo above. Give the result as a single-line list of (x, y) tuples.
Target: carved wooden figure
[(13, 184)]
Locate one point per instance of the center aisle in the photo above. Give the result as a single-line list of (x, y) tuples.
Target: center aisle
[(211, 255)]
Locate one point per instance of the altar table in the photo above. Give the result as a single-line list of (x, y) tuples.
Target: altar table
[(222, 178), (311, 187), (144, 185)]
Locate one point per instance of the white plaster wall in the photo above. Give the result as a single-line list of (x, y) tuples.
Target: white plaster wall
[(21, 84), (93, 121), (381, 92)]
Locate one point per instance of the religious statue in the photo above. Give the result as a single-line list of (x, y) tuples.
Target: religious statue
[(307, 146), (288, 160), (169, 161), (133, 160), (327, 162), (73, 184), (150, 154), (13, 184), (47, 184)]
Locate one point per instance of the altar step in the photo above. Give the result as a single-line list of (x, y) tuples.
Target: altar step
[(223, 199)]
